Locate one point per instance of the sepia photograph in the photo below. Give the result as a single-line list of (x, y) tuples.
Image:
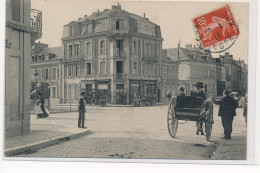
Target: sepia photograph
[(127, 81)]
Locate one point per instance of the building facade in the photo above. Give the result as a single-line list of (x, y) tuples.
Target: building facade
[(19, 35), (48, 63), (195, 65), (112, 52)]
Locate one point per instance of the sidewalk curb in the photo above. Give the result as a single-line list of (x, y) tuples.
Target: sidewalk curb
[(44, 143)]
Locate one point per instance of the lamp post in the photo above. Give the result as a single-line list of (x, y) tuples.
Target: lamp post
[(36, 75)]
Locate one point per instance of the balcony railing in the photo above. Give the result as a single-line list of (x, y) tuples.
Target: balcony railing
[(119, 53), (119, 76), (36, 24), (120, 31)]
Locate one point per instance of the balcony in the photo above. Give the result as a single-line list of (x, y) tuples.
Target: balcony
[(119, 31), (119, 53), (119, 76), (36, 24)]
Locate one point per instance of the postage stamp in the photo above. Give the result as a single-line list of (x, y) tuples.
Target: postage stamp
[(216, 31)]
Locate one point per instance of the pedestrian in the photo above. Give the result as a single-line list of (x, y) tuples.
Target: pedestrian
[(199, 93), (227, 111), (37, 109), (82, 111), (169, 96), (42, 105), (245, 109), (181, 92)]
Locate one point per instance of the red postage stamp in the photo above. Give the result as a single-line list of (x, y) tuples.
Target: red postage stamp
[(216, 28)]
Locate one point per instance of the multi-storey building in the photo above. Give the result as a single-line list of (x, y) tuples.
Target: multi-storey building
[(194, 65), (19, 36), (169, 76), (47, 62), (112, 52)]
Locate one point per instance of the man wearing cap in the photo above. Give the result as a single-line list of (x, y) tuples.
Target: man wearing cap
[(181, 92), (227, 111), (82, 111), (199, 93)]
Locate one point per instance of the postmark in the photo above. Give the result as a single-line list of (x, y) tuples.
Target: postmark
[(216, 31)]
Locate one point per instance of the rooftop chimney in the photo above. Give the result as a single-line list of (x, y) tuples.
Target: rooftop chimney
[(144, 15), (118, 7)]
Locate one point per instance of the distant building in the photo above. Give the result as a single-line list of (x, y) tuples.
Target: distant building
[(194, 65), (111, 52), (20, 34), (47, 62), (169, 75), (236, 73)]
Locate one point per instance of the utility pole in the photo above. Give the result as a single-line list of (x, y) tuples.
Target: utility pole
[(179, 49)]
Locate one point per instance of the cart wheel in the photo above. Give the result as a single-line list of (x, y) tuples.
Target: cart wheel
[(172, 121), (141, 103), (93, 101), (209, 121)]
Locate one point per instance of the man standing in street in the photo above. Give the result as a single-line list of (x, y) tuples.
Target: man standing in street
[(82, 111), (227, 111)]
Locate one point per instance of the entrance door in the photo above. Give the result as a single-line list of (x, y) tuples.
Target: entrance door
[(119, 93)]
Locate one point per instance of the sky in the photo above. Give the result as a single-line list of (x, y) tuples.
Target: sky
[(174, 18)]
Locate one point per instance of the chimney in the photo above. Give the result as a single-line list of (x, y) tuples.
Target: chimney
[(118, 7), (98, 10), (189, 46), (144, 15)]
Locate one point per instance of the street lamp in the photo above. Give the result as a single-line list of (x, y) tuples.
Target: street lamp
[(36, 75)]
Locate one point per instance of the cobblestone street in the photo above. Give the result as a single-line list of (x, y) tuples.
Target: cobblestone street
[(127, 132)]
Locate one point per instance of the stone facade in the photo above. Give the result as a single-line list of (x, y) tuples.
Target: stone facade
[(111, 52), (17, 61), (194, 65)]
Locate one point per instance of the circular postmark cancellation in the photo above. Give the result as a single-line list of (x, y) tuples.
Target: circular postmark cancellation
[(216, 31)]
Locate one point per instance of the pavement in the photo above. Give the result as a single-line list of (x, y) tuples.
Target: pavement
[(62, 127)]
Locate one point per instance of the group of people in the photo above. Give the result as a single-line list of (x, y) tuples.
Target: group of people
[(227, 108)]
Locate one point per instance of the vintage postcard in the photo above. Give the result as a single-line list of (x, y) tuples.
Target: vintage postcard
[(127, 81)]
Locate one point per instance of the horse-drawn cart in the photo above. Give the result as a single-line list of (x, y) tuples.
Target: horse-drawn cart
[(190, 109)]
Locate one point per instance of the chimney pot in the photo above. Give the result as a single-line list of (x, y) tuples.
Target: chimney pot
[(144, 15)]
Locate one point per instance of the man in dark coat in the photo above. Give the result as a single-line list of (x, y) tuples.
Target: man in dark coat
[(199, 93), (181, 92), (82, 111), (227, 111)]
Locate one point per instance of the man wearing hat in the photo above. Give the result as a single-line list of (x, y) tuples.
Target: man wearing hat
[(181, 92), (199, 93), (82, 111), (227, 111)]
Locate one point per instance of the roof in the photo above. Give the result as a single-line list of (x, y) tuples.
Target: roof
[(107, 13), (57, 51), (186, 54)]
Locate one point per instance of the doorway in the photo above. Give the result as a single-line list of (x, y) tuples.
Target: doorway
[(119, 93)]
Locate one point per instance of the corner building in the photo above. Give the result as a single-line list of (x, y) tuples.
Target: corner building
[(111, 52)]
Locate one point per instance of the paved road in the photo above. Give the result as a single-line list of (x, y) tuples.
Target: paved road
[(127, 132)]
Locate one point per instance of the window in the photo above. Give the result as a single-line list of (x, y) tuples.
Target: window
[(46, 73), (102, 67), (69, 69), (119, 24), (70, 87), (76, 70), (40, 73), (155, 50), (75, 91), (134, 48), (88, 70), (54, 73), (164, 72), (53, 92), (15, 6), (70, 51), (102, 47), (76, 49), (88, 48), (76, 30), (134, 67)]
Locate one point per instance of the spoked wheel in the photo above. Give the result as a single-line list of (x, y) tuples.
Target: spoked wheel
[(172, 121), (209, 121)]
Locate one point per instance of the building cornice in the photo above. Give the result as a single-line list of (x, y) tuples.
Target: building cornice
[(19, 26)]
